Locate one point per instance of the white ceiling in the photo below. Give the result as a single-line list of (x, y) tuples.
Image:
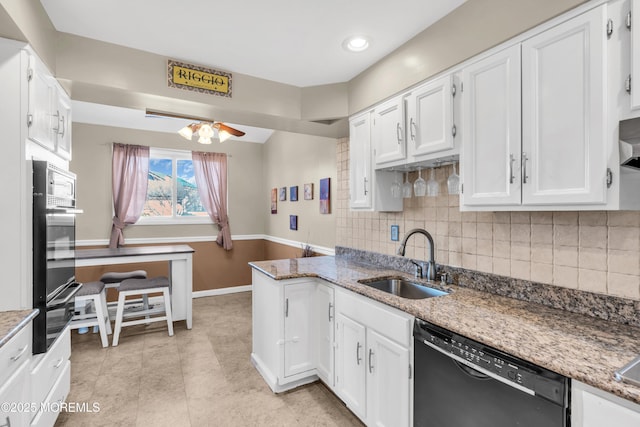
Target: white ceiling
[(297, 42)]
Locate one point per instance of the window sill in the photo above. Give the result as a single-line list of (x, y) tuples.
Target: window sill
[(174, 221)]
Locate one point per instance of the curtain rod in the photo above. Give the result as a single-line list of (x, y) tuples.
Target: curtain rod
[(110, 144)]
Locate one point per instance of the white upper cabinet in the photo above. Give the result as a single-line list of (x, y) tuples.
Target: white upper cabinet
[(564, 111), (49, 111), (634, 81), (368, 189), (534, 120), (491, 122), (430, 118), (388, 132), (360, 161), (41, 95), (62, 124)]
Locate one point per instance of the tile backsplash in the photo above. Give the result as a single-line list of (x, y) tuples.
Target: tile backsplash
[(594, 251)]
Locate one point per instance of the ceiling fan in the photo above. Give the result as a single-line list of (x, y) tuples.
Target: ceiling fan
[(204, 128)]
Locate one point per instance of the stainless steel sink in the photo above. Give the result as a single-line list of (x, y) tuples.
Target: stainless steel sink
[(403, 288)]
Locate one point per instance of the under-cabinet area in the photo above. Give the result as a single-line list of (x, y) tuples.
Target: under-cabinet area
[(371, 349)]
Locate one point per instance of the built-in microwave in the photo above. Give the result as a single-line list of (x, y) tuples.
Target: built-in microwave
[(54, 240)]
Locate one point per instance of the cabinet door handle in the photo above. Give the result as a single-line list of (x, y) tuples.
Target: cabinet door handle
[(57, 365), (20, 353), (399, 132), (365, 186), (286, 307), (525, 177), (57, 116), (511, 160), (358, 358), (370, 361), (330, 308), (62, 125), (412, 129), (8, 423)]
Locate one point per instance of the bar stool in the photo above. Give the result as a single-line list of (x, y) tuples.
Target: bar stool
[(112, 279), (93, 293), (142, 287)]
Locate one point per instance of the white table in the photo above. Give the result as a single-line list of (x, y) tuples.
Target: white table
[(180, 269)]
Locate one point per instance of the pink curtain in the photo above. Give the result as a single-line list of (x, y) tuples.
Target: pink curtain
[(211, 178), (130, 174)]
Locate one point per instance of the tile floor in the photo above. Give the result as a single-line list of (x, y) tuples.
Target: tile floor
[(201, 377)]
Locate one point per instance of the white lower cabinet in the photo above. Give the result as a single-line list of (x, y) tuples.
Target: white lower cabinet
[(350, 372), (14, 379), (306, 329), (373, 360), (591, 407), (283, 347), (324, 317)]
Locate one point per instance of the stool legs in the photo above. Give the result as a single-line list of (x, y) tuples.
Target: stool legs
[(120, 312), (104, 326)]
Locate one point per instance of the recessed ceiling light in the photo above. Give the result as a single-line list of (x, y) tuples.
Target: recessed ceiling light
[(356, 43)]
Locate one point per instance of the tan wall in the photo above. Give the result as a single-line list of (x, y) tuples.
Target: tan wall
[(92, 163), (591, 251), (294, 159), (475, 26)]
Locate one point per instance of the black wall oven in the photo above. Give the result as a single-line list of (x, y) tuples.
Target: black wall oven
[(54, 240)]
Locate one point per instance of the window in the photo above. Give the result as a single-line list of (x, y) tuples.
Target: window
[(172, 193)]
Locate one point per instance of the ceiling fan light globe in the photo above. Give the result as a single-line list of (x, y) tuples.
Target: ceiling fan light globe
[(186, 132), (204, 140), (205, 131), (223, 135)]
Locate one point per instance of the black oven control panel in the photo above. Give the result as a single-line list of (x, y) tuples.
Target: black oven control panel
[(488, 360)]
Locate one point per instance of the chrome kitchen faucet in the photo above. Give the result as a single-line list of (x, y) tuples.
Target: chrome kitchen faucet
[(430, 272)]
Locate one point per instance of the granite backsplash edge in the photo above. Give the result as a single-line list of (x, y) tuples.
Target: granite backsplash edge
[(607, 307)]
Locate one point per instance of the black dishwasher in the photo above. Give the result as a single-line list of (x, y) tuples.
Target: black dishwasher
[(463, 383)]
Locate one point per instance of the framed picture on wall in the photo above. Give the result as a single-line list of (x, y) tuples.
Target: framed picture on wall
[(293, 222), (293, 193), (308, 191), (283, 194), (325, 195), (274, 200)]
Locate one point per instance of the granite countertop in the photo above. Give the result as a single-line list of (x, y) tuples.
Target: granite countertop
[(11, 322), (580, 347)]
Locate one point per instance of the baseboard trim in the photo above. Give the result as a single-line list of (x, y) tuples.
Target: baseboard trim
[(221, 291)]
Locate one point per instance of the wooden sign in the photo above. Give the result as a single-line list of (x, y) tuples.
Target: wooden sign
[(198, 79)]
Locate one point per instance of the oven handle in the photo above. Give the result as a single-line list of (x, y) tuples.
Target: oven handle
[(68, 298), (479, 369), (64, 211)]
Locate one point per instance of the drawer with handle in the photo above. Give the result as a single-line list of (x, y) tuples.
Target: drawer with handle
[(14, 353), (49, 368)]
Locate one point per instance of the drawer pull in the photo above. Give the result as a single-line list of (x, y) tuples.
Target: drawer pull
[(20, 353), (57, 365)]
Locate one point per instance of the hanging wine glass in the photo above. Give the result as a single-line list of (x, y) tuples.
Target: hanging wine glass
[(433, 188), (396, 188), (453, 182), (420, 185), (406, 187)]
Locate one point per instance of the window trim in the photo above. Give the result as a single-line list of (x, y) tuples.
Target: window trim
[(174, 155)]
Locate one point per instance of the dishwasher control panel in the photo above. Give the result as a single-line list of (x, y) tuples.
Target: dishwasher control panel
[(490, 361)]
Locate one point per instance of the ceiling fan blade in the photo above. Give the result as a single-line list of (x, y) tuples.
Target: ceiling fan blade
[(232, 131)]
